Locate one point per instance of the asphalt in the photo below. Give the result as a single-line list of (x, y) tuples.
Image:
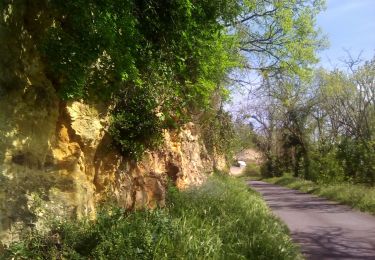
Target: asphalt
[(323, 229)]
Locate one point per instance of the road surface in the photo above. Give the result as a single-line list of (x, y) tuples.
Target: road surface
[(324, 229)]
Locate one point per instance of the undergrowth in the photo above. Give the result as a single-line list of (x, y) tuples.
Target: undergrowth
[(252, 170), (357, 196), (220, 220)]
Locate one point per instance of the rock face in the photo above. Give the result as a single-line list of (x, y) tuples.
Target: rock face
[(57, 161), (56, 158)]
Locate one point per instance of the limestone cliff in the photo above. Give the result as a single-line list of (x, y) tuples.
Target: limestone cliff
[(56, 160)]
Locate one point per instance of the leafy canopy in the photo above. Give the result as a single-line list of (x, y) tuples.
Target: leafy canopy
[(164, 59)]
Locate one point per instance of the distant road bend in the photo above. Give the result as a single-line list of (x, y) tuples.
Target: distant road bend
[(324, 229)]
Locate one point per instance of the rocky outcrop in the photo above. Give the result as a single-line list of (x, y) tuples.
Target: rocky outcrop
[(56, 158), (57, 161)]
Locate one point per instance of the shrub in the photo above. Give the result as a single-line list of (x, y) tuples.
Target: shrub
[(135, 125), (326, 168), (272, 167), (218, 133), (252, 169), (358, 160)]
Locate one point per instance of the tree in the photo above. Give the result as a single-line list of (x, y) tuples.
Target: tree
[(179, 50), (280, 35), (321, 129)]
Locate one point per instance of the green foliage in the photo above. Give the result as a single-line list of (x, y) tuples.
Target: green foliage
[(90, 46), (220, 220), (245, 136), (178, 51), (323, 130), (96, 46), (272, 167), (135, 124), (326, 168), (252, 170), (358, 160), (218, 133), (350, 161), (282, 36), (346, 122)]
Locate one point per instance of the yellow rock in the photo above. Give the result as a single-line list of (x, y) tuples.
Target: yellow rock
[(57, 161)]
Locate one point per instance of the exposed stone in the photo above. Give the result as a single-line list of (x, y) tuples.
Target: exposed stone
[(59, 161), (56, 158)]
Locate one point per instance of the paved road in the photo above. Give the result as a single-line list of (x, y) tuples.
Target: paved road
[(324, 229)]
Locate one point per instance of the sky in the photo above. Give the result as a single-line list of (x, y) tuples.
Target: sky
[(350, 25)]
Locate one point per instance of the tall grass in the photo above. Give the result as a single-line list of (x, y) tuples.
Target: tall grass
[(251, 172), (357, 196), (220, 220)]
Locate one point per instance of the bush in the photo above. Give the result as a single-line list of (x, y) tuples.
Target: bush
[(252, 169), (358, 160), (220, 220), (272, 167), (326, 168), (135, 125), (218, 133)]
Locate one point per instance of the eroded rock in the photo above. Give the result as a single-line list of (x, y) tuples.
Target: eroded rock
[(59, 162)]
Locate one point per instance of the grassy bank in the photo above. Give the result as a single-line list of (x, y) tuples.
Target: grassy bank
[(220, 220), (354, 195)]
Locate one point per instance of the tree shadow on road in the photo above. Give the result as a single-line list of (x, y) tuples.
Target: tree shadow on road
[(335, 243)]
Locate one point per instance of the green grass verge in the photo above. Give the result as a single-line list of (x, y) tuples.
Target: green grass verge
[(251, 172), (222, 219), (357, 196)]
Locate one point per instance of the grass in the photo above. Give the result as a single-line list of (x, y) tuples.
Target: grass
[(251, 172), (222, 219), (357, 196)]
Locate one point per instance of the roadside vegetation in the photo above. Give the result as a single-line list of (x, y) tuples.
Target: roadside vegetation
[(251, 172), (222, 219), (321, 129), (317, 133)]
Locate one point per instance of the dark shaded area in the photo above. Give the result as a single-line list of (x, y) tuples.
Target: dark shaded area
[(324, 229), (26, 159), (172, 171)]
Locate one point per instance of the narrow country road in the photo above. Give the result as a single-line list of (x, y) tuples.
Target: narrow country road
[(324, 229)]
